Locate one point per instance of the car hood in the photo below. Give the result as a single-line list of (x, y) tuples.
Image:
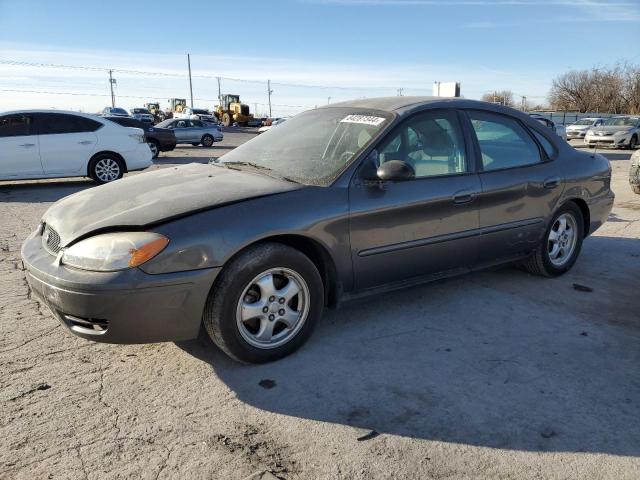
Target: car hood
[(155, 197), (578, 127), (612, 128)]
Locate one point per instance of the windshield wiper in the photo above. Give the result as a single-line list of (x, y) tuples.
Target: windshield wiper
[(270, 171)]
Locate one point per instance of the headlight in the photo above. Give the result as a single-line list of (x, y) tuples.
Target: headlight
[(114, 251), (137, 137)]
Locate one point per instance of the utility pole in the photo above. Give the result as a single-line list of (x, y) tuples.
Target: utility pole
[(190, 84), (269, 92), (219, 94), (328, 100), (400, 90), (111, 82), (524, 103)]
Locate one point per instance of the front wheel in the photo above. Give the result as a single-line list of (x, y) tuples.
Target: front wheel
[(265, 303), (560, 247), (106, 168), (633, 143)]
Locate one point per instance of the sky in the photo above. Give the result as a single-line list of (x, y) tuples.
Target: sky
[(56, 54)]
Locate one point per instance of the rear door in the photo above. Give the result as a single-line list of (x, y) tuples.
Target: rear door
[(19, 150), (423, 226), (67, 142), (521, 184)]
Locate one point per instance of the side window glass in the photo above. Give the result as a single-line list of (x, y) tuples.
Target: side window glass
[(504, 143), (430, 142), (546, 144), (15, 126), (58, 123)]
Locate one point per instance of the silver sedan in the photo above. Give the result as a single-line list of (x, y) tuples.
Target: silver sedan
[(194, 132)]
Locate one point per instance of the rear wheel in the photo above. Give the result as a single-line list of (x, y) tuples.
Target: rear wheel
[(207, 140), (155, 148), (105, 168), (265, 303), (560, 247)]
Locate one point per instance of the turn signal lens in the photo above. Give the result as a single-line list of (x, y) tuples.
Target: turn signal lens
[(147, 251)]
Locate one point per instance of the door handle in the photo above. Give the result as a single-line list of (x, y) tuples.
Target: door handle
[(551, 182), (85, 142), (463, 196), (28, 145)]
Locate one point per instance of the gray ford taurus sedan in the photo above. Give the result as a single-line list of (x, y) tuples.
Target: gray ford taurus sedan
[(338, 202)]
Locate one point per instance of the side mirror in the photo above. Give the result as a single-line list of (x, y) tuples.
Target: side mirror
[(395, 170)]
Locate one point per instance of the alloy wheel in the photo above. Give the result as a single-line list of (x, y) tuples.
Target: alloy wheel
[(107, 170), (562, 239), (273, 308)]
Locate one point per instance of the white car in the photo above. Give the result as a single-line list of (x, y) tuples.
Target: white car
[(197, 114), (580, 128), (53, 143), (618, 131)]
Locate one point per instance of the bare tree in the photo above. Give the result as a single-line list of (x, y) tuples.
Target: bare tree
[(503, 97), (611, 89)]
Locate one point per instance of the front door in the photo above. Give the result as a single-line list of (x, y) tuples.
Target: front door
[(521, 184), (19, 149), (428, 225)]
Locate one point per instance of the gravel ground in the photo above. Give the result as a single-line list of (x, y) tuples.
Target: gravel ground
[(494, 375)]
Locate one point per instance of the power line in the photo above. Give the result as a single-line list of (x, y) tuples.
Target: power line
[(213, 77)]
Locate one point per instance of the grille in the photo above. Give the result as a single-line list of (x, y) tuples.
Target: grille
[(50, 240)]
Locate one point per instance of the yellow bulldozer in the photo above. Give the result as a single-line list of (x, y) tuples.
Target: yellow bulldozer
[(231, 110), (154, 109), (176, 107)]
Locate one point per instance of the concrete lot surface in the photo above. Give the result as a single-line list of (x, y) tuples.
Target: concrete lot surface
[(494, 375)]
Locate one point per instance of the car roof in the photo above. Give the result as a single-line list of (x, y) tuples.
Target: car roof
[(402, 106), (93, 116)]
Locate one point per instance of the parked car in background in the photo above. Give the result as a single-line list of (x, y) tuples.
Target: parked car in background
[(54, 143), (194, 132), (143, 115), (337, 202), (159, 139), (198, 114), (114, 112), (634, 172), (273, 123), (579, 129), (618, 131), (559, 129)]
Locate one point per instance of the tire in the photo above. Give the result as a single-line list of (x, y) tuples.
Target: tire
[(226, 120), (238, 333), (105, 168), (207, 140), (542, 262), (635, 189), (633, 143), (155, 148)]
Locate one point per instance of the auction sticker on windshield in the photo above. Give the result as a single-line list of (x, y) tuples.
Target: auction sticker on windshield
[(364, 119)]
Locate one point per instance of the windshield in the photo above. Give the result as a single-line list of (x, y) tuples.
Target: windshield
[(119, 110), (313, 147), (621, 122), (199, 111), (584, 121), (165, 123), (140, 110)]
